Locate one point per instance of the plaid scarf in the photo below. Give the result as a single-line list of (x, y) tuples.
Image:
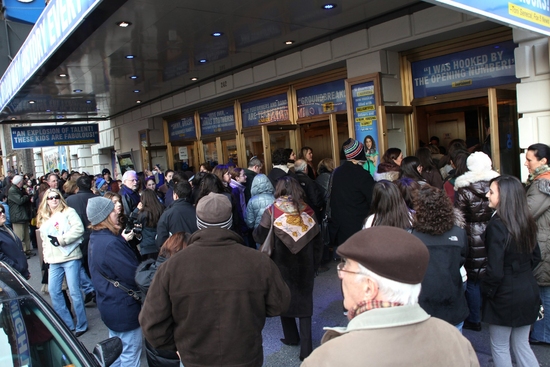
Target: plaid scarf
[(364, 306)]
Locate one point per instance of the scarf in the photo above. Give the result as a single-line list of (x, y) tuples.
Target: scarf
[(542, 170), (294, 228), (364, 306)]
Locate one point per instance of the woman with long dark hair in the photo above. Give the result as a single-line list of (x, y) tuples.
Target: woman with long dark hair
[(411, 168), (510, 291), (388, 169), (538, 199), (430, 172), (297, 253), (149, 212), (371, 154), (388, 207)]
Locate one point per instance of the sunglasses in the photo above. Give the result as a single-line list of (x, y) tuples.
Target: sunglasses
[(56, 197)]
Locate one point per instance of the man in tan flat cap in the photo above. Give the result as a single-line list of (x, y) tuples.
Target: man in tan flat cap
[(381, 279)]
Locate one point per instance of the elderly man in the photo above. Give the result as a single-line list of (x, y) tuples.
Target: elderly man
[(381, 282), (210, 300), (19, 202), (129, 191)]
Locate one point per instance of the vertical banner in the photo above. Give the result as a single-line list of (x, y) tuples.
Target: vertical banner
[(363, 100)]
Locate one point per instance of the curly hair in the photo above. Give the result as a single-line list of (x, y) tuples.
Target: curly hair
[(434, 211)]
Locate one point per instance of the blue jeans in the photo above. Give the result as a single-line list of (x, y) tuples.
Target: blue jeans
[(70, 270), (541, 329), (85, 281), (473, 297), (131, 347)]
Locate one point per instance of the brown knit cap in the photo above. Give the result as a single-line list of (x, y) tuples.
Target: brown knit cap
[(388, 251)]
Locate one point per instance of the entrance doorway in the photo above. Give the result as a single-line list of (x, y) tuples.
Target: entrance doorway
[(471, 120), (317, 136)]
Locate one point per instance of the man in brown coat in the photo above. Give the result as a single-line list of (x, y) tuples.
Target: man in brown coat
[(381, 283), (210, 300)]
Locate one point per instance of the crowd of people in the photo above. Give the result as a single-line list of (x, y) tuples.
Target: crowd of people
[(431, 243)]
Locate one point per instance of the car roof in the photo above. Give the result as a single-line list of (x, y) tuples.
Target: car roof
[(11, 284)]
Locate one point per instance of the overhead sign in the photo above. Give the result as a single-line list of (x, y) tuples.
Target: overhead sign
[(54, 135), (218, 121), (26, 11), (480, 67), (264, 111), (182, 129), (57, 22), (533, 15), (322, 99)]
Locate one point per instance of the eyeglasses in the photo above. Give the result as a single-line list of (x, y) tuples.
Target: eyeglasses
[(56, 197), (340, 267), (2, 213), (132, 179)]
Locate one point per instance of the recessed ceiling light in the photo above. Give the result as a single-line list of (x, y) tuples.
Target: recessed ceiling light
[(194, 78), (124, 24), (13, 118), (129, 57), (289, 42), (217, 34), (329, 6), (202, 61), (77, 90), (136, 91), (31, 102), (88, 101), (48, 110), (133, 77), (62, 75), (138, 101)]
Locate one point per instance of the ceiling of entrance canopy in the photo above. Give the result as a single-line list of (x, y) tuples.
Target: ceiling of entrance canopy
[(103, 70)]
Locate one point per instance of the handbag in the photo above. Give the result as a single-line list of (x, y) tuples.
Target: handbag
[(269, 242), (325, 232)]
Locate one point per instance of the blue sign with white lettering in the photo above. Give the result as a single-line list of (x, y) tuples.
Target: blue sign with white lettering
[(57, 22), (264, 111), (529, 14), (481, 67), (218, 121), (26, 11), (322, 99), (54, 135), (364, 111), (183, 129)]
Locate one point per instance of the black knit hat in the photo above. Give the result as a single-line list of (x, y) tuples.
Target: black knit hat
[(390, 252)]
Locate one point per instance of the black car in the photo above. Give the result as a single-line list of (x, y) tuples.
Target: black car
[(31, 333)]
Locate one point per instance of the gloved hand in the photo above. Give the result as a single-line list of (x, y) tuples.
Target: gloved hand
[(54, 241)]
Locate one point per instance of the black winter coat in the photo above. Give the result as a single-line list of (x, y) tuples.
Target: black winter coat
[(510, 291), (442, 294), (350, 200), (314, 196), (474, 205), (180, 216), (11, 251)]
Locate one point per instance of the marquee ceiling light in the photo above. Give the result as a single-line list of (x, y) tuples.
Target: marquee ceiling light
[(124, 24)]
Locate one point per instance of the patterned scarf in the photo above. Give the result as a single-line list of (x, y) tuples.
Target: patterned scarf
[(294, 228), (364, 306), (539, 171)]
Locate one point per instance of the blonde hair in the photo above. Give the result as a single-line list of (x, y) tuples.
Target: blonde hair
[(44, 212)]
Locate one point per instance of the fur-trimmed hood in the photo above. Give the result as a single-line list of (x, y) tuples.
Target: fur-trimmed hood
[(471, 177), (543, 185)]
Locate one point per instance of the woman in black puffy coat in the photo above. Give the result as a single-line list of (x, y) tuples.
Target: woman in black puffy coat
[(470, 199)]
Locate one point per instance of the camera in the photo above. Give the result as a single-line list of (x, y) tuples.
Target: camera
[(133, 224)]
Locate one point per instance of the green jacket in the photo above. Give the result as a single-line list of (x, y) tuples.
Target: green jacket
[(20, 205)]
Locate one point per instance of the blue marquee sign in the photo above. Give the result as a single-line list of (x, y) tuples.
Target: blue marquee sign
[(533, 15), (322, 99), (480, 67), (59, 19), (183, 129), (218, 121), (264, 111), (54, 135)]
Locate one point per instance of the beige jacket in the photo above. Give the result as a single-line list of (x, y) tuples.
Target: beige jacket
[(397, 336), (71, 233)]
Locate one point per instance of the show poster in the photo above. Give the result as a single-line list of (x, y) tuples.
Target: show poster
[(264, 111), (182, 130), (322, 99), (364, 116), (218, 121), (481, 67)]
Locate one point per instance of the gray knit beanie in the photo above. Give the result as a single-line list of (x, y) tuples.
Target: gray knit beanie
[(98, 209)]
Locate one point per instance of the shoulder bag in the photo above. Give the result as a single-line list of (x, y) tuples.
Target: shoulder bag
[(269, 242)]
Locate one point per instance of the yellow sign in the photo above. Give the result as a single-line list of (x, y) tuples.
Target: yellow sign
[(365, 108), (527, 14)]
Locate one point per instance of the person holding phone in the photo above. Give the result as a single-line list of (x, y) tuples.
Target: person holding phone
[(61, 231)]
